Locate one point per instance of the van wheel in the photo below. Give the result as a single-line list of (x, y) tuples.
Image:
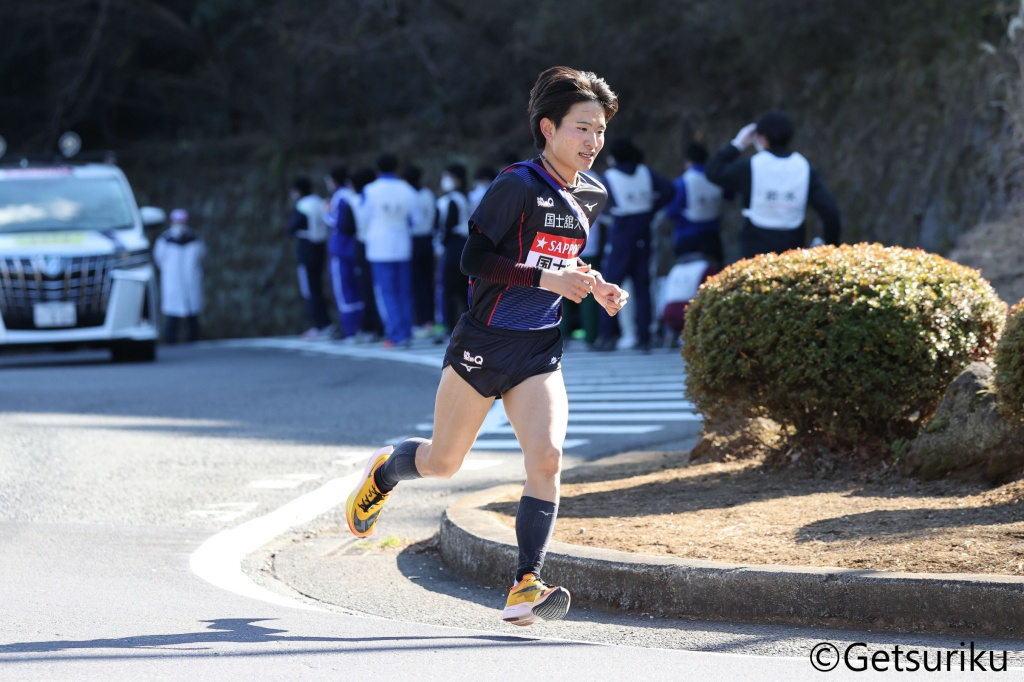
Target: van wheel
[(133, 351)]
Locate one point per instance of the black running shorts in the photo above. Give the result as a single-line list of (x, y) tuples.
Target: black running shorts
[(495, 360)]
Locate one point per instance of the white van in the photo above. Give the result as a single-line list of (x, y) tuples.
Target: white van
[(75, 267)]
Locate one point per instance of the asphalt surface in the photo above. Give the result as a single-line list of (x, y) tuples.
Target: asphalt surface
[(112, 477)]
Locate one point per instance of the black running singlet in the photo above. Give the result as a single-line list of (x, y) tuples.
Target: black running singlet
[(532, 222)]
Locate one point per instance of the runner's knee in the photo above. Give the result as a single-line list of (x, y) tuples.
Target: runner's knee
[(439, 467), (545, 461)]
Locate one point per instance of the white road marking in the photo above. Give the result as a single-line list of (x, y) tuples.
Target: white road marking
[(513, 444), (286, 481), (626, 405), (634, 416), (589, 396), (328, 348), (598, 428), (224, 512), (218, 561)]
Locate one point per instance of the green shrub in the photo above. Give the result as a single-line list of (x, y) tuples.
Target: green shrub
[(1010, 365), (845, 344)]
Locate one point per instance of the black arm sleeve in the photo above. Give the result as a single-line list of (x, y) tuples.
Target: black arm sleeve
[(479, 260), (727, 170), (824, 204)]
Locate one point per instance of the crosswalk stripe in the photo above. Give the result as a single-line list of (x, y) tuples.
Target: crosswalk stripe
[(513, 444), (626, 405), (633, 416), (596, 428), (590, 396)]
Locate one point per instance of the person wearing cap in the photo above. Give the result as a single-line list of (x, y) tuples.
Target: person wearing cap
[(776, 185), (179, 253)]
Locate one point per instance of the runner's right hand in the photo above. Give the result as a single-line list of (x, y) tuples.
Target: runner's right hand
[(574, 282)]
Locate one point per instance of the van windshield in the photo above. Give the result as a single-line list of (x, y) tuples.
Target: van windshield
[(43, 204)]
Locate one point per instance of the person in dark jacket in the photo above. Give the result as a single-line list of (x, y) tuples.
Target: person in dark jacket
[(776, 185)]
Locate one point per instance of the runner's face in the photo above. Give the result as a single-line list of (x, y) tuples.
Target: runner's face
[(576, 142)]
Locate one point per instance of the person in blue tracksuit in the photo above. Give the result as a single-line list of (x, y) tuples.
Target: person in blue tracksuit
[(696, 209), (389, 209), (341, 251), (776, 184), (635, 193), (306, 225)]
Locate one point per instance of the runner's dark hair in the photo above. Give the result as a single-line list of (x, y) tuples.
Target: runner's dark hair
[(303, 185), (558, 89), (339, 174)]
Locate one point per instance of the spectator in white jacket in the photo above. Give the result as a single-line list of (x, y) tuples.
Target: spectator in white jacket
[(179, 253), (307, 226), (389, 209), (422, 251)]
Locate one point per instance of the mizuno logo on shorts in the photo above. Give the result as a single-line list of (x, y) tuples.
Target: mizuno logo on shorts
[(469, 368)]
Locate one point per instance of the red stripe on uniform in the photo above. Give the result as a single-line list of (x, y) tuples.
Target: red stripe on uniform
[(493, 309)]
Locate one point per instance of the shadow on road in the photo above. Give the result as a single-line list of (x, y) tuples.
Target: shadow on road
[(245, 631)]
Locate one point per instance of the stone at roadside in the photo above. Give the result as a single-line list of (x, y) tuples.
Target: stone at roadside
[(967, 434)]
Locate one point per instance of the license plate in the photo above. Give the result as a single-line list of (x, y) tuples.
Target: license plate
[(54, 315)]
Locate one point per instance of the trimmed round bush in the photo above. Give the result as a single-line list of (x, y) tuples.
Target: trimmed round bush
[(845, 344), (1010, 365)]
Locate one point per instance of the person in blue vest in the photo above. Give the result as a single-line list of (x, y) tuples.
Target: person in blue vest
[(341, 251), (453, 231), (776, 185), (635, 193), (696, 209)]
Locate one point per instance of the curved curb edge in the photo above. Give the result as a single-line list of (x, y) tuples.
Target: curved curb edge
[(478, 547)]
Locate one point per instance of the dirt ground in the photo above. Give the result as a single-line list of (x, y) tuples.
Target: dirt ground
[(740, 512)]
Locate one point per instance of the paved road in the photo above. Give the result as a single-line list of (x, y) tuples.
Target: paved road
[(135, 500)]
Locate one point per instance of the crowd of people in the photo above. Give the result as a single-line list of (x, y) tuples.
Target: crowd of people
[(391, 247)]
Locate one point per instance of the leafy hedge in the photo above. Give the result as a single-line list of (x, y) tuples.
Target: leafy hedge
[(845, 344), (1010, 365)]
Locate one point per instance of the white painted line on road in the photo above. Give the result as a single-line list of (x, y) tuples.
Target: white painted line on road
[(224, 512), (633, 416), (620, 384), (219, 560), (589, 396), (627, 405), (513, 444), (599, 428), (286, 481), (328, 348)]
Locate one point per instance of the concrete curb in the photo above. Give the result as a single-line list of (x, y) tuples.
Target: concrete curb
[(478, 547)]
